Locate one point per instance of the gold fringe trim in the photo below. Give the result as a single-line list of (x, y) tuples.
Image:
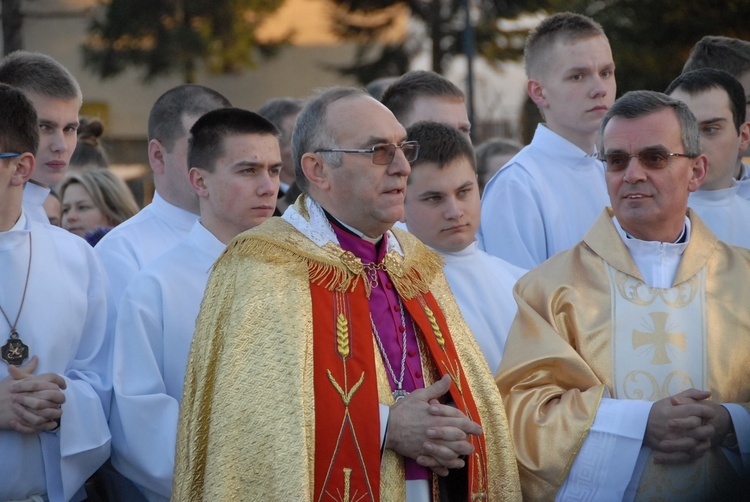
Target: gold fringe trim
[(276, 241)]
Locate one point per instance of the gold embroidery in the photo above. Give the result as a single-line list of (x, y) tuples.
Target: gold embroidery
[(635, 291), (342, 336), (347, 483), (434, 325), (659, 338)]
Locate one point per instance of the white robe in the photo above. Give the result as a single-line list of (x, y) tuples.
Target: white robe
[(744, 182), (33, 197), (155, 326), (725, 213), (138, 241), (483, 287), (542, 202), (63, 322)]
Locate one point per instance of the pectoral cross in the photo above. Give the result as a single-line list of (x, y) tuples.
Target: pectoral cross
[(659, 338)]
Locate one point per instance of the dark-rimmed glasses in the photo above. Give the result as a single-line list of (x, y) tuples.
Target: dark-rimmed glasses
[(383, 154), (653, 159), (9, 155)]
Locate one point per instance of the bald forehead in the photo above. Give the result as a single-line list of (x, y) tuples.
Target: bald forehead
[(363, 117)]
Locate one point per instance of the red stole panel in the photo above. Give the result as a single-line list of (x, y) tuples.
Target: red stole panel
[(347, 429), (431, 321)]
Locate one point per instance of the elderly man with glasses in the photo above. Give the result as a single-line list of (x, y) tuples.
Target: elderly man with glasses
[(330, 360), (625, 374)]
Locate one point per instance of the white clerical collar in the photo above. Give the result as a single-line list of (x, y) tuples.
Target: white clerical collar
[(361, 235), (744, 172), (548, 141), (284, 186), (20, 223), (657, 261), (316, 227)]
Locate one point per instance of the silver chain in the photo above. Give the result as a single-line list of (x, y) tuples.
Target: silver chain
[(400, 380)]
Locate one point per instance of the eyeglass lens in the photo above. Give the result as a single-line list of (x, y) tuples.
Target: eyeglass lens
[(384, 154), (650, 159)]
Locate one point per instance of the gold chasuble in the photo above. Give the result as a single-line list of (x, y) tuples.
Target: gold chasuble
[(587, 324), (284, 377)]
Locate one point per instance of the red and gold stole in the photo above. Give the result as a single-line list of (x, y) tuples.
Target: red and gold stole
[(347, 431)]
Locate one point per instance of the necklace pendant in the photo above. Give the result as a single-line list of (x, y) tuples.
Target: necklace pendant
[(14, 352), (399, 394)]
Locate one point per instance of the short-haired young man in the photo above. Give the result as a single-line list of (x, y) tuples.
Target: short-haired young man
[(442, 209), (54, 378), (733, 56), (56, 97), (549, 194), (132, 245), (425, 95), (718, 102), (235, 163)]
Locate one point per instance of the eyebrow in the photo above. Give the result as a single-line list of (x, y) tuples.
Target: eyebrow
[(712, 120), (250, 163), (55, 123), (644, 149), (373, 140)]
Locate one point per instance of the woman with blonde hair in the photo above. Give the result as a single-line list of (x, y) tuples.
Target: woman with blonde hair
[(93, 202)]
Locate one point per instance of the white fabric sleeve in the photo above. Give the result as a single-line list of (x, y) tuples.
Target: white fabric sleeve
[(143, 414), (605, 464), (385, 412), (741, 420), (512, 226)]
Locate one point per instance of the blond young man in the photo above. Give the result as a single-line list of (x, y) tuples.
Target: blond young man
[(57, 99), (548, 195)]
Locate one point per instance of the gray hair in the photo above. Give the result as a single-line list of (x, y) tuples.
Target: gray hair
[(39, 74), (636, 104), (312, 130)]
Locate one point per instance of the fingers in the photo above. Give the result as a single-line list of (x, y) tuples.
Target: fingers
[(30, 419), (690, 395), (18, 373), (446, 451), (434, 465), (40, 402), (36, 383), (436, 390)]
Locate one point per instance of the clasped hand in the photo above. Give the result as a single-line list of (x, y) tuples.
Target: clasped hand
[(31, 403), (434, 434), (683, 427)]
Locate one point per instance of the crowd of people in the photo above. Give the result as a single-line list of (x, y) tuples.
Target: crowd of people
[(340, 298)]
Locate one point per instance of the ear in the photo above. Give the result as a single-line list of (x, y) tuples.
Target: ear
[(699, 170), (316, 171), (156, 156), (744, 136), (197, 178), (23, 168), (535, 90)]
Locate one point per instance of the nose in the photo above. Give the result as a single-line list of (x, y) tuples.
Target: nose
[(453, 210), (599, 88), (57, 141), (268, 185), (399, 166), (634, 172)]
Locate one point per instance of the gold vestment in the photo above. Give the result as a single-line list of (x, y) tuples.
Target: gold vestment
[(559, 356), (247, 421)]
